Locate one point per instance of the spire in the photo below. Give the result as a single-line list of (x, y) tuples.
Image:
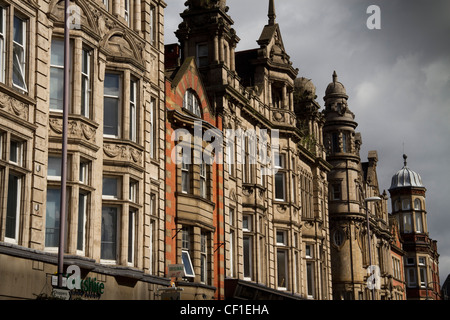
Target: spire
[(272, 14), (404, 159), (335, 77)]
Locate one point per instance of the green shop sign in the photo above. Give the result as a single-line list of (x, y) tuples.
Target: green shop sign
[(79, 288)]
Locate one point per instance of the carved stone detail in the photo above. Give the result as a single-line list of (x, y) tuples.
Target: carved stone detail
[(11, 105)]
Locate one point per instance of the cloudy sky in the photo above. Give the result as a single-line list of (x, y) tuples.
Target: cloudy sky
[(397, 79)]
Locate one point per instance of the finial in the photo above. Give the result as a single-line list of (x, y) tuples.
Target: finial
[(404, 159), (272, 14), (335, 76)]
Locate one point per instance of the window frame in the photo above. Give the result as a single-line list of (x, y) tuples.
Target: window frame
[(116, 237), (3, 44), (119, 99), (22, 65), (86, 83), (281, 166), (133, 111), (17, 210)]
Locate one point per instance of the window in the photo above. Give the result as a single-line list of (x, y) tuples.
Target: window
[(281, 238), (52, 217), (106, 3), (54, 168), (16, 152), (191, 103), (280, 178), (406, 205), (396, 205), (282, 269), (336, 191), (407, 223), (345, 147), (185, 256), (84, 172), (57, 75), (308, 251), (127, 11), (131, 235), (185, 173), (82, 215), (153, 127), (310, 279), (111, 105), (133, 112), (110, 188), (204, 258), (338, 237), (2, 44), (133, 194), (247, 223), (417, 205), (85, 83), (153, 29), (419, 224), (109, 235), (335, 142), (19, 54), (411, 277), (247, 241), (13, 208), (202, 54), (203, 184)]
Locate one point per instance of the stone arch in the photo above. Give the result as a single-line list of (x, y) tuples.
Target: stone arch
[(87, 18)]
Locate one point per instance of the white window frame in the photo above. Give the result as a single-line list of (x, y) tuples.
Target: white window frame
[(19, 151), (204, 258), (310, 280), (17, 208), (84, 172), (86, 82), (203, 184), (119, 106), (22, 65), (3, 44), (192, 103), (185, 256), (283, 235), (418, 222), (153, 127), (152, 25), (82, 197), (408, 221), (185, 174), (133, 111), (133, 191)]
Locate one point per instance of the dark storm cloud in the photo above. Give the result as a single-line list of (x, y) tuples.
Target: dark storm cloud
[(397, 78)]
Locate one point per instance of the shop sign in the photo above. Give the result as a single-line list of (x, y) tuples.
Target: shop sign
[(77, 287)]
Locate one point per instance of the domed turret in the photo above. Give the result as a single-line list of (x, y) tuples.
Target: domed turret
[(304, 88), (335, 87), (406, 178)]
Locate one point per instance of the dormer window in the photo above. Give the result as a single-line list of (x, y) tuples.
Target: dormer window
[(191, 103)]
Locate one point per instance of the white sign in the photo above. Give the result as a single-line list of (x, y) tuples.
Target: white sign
[(176, 270), (62, 294)]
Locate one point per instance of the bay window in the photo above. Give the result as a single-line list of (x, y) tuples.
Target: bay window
[(57, 75), (2, 44)]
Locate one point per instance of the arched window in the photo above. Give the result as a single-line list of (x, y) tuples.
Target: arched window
[(417, 205), (191, 103)]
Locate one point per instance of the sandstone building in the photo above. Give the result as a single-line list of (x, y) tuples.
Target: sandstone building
[(283, 222)]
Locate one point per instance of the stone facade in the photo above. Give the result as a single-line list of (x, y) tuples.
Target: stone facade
[(115, 217)]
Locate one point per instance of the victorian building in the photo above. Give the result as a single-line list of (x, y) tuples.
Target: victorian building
[(243, 229), (421, 263), (115, 188)]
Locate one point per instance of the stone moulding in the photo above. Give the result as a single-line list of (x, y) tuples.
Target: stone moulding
[(123, 153), (12, 105)]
